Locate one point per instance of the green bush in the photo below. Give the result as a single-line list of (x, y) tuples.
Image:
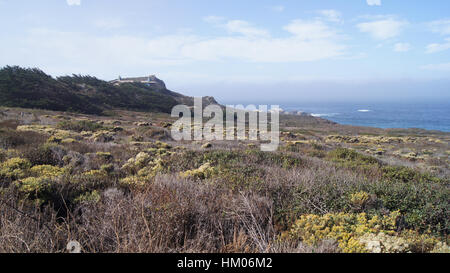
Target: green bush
[(343, 155), (80, 125), (88, 197), (425, 206), (404, 174)]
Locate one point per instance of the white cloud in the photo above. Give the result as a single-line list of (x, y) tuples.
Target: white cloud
[(62, 52), (73, 2), (383, 29), (433, 48), (331, 15), (402, 47), (236, 26), (277, 8), (310, 41), (212, 19), (263, 50), (244, 28), (437, 67), (374, 2), (440, 26), (310, 30)]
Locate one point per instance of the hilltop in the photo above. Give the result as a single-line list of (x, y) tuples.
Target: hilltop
[(32, 88)]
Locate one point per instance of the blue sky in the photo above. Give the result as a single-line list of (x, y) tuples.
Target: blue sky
[(253, 51)]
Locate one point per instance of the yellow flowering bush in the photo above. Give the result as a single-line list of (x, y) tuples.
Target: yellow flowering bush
[(54, 139), (104, 156), (95, 173), (15, 168), (132, 181), (102, 136), (158, 151), (360, 233), (137, 162), (46, 129), (141, 159), (163, 145), (107, 168), (359, 200), (88, 197), (143, 174), (152, 169), (69, 141), (203, 172), (343, 227), (146, 173), (424, 242), (144, 166), (33, 185), (46, 171)]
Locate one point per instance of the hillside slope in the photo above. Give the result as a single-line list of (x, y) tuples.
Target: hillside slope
[(32, 88)]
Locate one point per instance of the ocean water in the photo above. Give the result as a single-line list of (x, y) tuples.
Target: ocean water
[(424, 115)]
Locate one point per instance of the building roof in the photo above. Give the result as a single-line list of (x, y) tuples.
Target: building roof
[(152, 79), (137, 79)]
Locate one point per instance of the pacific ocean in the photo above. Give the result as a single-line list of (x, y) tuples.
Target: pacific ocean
[(423, 115), (431, 115)]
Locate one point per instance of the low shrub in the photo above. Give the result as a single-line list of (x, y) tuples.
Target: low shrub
[(10, 138), (34, 187), (15, 168), (105, 157), (46, 171), (362, 233), (345, 156), (88, 197), (359, 200), (80, 126), (107, 168), (424, 206), (342, 227), (46, 154), (203, 172), (405, 175)]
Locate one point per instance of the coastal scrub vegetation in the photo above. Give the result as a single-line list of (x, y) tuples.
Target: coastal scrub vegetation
[(120, 184)]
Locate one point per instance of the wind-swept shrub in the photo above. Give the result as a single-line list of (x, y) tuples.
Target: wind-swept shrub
[(80, 126)]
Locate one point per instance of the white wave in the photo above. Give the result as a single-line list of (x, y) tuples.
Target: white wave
[(364, 110), (324, 115)]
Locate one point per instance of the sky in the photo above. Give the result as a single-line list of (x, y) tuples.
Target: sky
[(242, 50)]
